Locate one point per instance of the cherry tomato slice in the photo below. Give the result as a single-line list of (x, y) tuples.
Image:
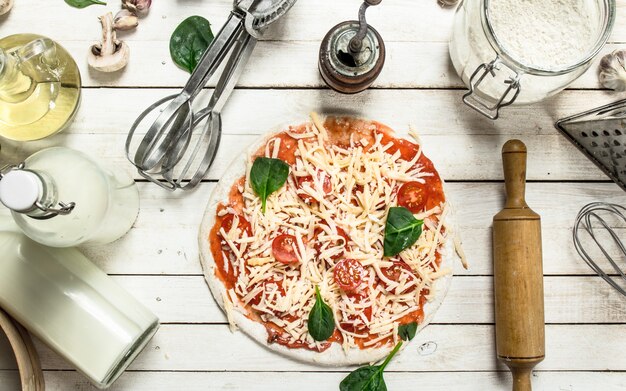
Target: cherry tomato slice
[(349, 274), (284, 249), (318, 246), (407, 149), (301, 180), (354, 322), (413, 196), (395, 273), (243, 225)]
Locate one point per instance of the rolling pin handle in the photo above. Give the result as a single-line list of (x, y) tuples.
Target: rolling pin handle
[(521, 379), (514, 162)]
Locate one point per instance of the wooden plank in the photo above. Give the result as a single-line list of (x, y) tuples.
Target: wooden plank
[(437, 348), (457, 157), (440, 112), (164, 237), (187, 299), (416, 42), (401, 20), (288, 64), (438, 381)]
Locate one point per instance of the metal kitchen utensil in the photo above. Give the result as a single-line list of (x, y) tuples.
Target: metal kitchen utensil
[(165, 146), (601, 135), (601, 221), (352, 54)]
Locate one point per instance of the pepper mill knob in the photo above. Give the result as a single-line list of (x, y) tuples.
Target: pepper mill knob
[(352, 54)]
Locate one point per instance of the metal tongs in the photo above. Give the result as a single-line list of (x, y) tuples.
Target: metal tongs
[(166, 142)]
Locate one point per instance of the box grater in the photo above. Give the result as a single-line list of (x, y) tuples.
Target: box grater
[(601, 135)]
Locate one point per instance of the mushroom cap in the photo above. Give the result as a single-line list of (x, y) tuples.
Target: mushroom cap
[(5, 6), (109, 63)]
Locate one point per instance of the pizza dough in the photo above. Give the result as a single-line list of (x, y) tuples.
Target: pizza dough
[(239, 315)]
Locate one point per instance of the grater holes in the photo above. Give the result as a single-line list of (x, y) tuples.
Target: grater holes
[(606, 133), (616, 143), (618, 132), (595, 144), (606, 145), (583, 134), (618, 156), (604, 153), (594, 133)]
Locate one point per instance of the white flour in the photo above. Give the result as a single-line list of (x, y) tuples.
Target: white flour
[(546, 34)]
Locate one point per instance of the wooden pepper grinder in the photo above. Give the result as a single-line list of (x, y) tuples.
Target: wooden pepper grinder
[(518, 274), (352, 54)]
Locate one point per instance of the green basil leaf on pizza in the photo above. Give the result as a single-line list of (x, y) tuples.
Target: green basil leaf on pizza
[(401, 230), (407, 331), (266, 176), (321, 319)]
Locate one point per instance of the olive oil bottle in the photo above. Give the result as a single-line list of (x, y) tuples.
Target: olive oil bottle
[(39, 87)]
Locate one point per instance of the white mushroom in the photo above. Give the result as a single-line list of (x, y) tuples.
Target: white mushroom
[(5, 6), (110, 55)]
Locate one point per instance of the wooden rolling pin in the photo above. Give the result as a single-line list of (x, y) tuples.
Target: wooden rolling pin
[(518, 274)]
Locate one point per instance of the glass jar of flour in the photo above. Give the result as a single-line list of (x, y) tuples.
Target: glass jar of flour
[(525, 51)]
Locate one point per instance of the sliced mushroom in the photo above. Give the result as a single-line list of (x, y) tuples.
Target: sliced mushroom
[(5, 6), (110, 55)]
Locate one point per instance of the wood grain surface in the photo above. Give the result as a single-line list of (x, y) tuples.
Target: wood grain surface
[(158, 260)]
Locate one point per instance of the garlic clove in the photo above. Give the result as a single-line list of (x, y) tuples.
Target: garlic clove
[(5, 6), (612, 71), (138, 7), (447, 3), (125, 20)]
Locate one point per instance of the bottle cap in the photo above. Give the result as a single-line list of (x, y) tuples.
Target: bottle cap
[(20, 190)]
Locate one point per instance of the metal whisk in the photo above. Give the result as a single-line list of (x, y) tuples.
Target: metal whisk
[(593, 219), (165, 145)]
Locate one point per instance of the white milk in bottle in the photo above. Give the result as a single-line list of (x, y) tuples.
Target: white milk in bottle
[(71, 306), (61, 198)]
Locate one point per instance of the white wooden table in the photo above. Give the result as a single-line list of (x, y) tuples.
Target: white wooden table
[(158, 260)]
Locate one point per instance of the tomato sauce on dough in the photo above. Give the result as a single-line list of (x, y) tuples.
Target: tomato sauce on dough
[(341, 131)]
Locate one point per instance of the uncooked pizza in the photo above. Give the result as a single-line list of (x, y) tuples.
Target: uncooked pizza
[(327, 239)]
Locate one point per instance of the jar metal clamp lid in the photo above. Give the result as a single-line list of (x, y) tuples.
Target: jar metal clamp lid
[(22, 191)]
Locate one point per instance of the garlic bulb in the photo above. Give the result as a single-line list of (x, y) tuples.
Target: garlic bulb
[(447, 3), (613, 70), (5, 6)]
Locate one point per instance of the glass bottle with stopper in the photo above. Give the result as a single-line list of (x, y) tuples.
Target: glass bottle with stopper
[(352, 54), (60, 197), (39, 87)]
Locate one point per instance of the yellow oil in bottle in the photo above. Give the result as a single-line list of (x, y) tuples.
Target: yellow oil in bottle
[(38, 97)]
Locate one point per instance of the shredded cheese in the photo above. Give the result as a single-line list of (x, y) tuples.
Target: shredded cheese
[(364, 179)]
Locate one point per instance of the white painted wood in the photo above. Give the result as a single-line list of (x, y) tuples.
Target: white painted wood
[(158, 261), (268, 381), (416, 42), (436, 348), (430, 112), (163, 239), (457, 157), (186, 299)]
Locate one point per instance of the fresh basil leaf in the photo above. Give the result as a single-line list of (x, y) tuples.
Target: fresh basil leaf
[(407, 331), (321, 319), (368, 378), (189, 42), (84, 3), (364, 379), (401, 231), (266, 176)]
